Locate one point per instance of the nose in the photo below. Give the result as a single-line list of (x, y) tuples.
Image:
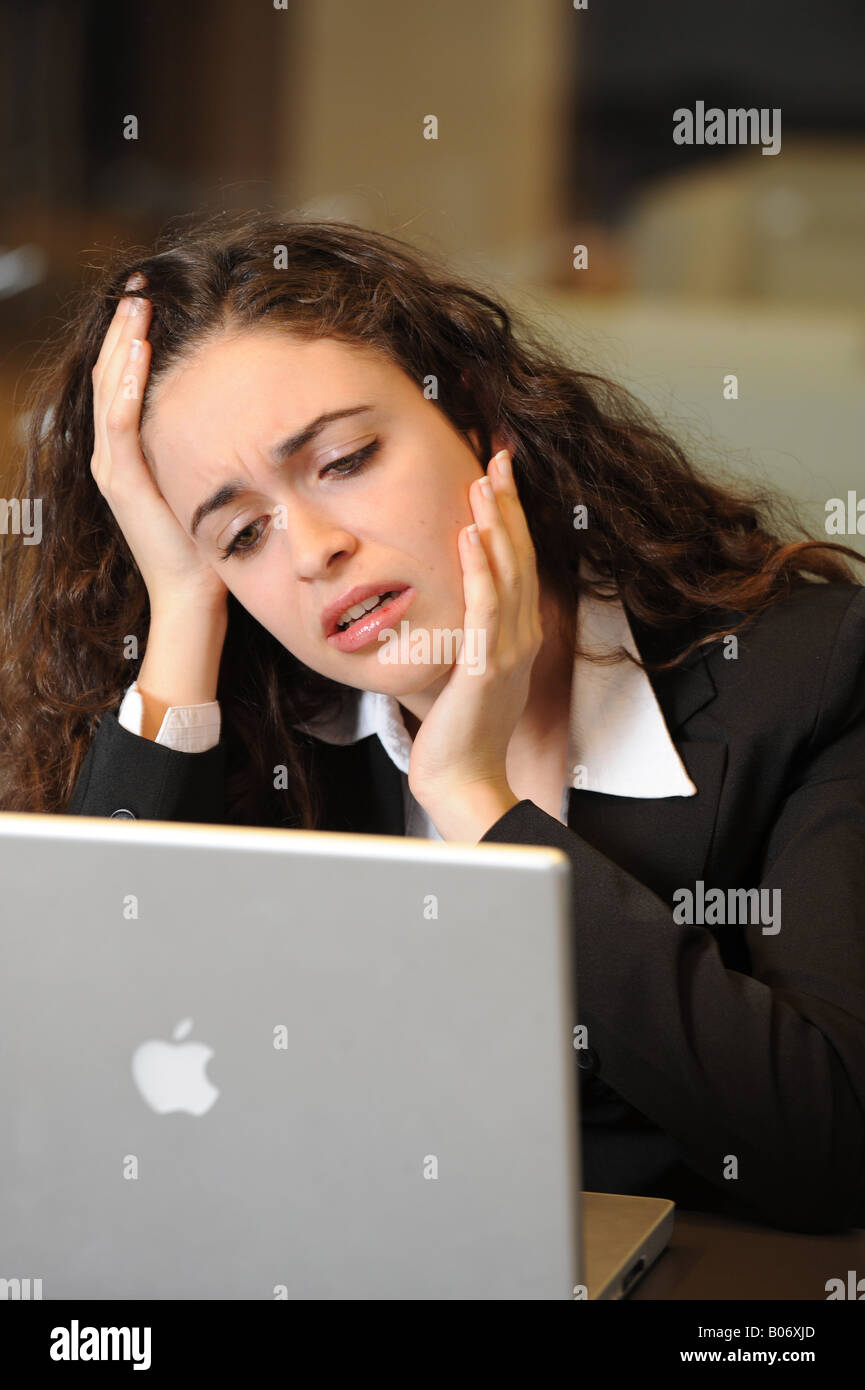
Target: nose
[(313, 538)]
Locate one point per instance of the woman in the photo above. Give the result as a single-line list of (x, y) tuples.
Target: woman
[(283, 417)]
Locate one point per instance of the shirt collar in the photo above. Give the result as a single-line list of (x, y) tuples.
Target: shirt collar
[(618, 741)]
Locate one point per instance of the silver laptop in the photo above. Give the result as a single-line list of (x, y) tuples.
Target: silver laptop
[(263, 1064)]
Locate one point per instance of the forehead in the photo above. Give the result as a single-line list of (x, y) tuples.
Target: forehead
[(247, 387)]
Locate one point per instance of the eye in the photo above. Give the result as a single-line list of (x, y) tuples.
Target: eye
[(236, 548), (356, 460)]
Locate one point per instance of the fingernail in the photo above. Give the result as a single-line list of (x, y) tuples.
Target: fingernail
[(135, 350), (503, 463), (486, 487), (135, 281)]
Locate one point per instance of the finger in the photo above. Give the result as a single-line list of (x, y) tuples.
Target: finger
[(116, 325), (133, 323), (514, 519), (503, 560), (479, 589), (122, 419), (135, 327), (510, 505)]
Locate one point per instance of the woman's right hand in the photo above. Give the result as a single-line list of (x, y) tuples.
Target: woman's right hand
[(171, 566)]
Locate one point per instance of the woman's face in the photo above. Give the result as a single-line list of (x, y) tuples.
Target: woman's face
[(220, 418)]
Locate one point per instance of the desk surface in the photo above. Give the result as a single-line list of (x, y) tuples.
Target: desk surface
[(714, 1257)]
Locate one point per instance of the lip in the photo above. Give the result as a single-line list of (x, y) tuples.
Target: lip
[(366, 630), (334, 611)]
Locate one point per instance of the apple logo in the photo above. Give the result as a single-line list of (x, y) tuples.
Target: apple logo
[(170, 1076)]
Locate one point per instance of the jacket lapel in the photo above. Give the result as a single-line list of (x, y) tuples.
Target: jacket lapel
[(664, 842)]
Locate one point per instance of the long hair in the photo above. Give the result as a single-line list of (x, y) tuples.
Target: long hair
[(667, 542)]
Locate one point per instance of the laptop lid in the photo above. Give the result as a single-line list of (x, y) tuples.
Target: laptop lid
[(253, 1063)]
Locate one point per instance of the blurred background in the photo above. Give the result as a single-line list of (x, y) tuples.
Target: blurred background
[(554, 129)]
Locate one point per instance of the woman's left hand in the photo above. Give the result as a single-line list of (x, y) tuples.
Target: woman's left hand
[(462, 744)]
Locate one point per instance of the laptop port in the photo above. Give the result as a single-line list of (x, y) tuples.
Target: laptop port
[(633, 1274)]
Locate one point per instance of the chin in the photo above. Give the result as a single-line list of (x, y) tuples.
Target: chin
[(411, 680)]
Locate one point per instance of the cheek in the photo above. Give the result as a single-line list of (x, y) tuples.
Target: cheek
[(270, 602), (243, 587)]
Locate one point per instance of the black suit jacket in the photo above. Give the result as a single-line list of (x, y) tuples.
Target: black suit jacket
[(726, 1066)]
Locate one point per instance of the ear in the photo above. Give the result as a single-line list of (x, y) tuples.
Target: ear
[(497, 441), (476, 441)]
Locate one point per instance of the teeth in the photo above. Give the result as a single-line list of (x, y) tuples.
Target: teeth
[(358, 609)]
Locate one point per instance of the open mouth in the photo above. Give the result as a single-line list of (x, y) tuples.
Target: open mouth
[(364, 629), (383, 599)]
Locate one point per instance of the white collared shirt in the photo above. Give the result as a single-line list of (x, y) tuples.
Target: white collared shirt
[(618, 742)]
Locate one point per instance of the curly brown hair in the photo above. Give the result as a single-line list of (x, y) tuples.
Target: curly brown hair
[(668, 543)]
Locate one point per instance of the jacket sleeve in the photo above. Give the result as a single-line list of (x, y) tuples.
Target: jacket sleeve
[(126, 772), (768, 1068)]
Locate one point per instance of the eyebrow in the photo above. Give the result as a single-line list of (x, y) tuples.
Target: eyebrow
[(280, 454)]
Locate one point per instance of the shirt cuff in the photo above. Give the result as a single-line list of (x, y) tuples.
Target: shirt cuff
[(187, 728)]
